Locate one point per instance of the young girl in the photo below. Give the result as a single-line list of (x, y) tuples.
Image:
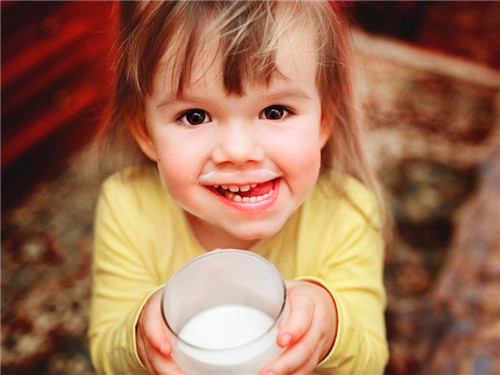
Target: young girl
[(245, 111)]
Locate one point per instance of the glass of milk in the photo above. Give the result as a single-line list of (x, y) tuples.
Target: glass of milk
[(223, 310)]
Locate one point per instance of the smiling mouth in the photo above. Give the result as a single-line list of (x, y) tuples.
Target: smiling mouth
[(251, 193)]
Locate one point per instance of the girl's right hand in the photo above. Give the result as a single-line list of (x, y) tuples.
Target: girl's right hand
[(153, 345)]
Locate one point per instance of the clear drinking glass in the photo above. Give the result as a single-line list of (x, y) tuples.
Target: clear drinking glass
[(223, 310)]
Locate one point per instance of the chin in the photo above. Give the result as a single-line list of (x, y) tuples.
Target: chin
[(250, 233)]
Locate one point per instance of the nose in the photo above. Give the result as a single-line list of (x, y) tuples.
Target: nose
[(238, 143)]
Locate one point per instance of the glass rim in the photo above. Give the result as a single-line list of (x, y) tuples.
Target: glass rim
[(215, 253)]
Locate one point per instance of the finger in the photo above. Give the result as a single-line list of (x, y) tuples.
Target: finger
[(300, 358), (144, 355), (158, 339), (154, 327), (158, 352), (157, 363), (166, 366), (299, 321)]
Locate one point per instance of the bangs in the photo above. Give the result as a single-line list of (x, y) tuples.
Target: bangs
[(242, 36), (236, 35)]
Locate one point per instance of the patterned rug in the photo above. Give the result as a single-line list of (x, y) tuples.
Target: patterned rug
[(435, 126)]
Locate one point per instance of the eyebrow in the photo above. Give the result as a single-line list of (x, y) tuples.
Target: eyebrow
[(173, 98), (287, 93), (273, 96)]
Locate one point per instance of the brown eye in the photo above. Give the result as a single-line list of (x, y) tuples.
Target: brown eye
[(274, 112), (194, 117)]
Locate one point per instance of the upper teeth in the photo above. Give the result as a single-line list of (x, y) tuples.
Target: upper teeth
[(231, 192), (235, 189)]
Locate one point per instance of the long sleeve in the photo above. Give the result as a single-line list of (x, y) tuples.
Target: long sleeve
[(348, 262), (121, 285), (140, 239)]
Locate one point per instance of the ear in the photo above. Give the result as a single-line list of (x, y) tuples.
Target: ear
[(326, 127), (143, 139)]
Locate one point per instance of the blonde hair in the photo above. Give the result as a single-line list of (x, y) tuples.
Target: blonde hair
[(245, 35)]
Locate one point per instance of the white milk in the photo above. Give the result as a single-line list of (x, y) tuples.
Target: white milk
[(225, 326), (228, 339)]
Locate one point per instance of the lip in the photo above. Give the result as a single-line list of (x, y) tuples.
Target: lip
[(250, 207)]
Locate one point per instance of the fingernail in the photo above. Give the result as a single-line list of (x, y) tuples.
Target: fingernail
[(165, 349), (285, 339)]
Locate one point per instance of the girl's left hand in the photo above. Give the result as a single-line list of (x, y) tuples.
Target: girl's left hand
[(309, 332)]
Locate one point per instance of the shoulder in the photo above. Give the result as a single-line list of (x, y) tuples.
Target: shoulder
[(133, 187), (133, 181), (133, 177), (338, 222), (344, 197)]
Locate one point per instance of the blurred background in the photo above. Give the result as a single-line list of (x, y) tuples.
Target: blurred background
[(432, 97)]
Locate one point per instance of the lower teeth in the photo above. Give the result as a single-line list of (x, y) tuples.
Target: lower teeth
[(239, 198)]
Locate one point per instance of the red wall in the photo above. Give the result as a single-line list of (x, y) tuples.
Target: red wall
[(56, 80)]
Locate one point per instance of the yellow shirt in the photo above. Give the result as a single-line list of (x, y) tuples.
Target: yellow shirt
[(334, 238)]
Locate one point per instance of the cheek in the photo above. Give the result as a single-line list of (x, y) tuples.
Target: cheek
[(303, 150), (307, 160), (301, 161), (179, 163), (173, 164)]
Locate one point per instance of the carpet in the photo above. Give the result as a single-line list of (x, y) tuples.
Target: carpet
[(434, 122)]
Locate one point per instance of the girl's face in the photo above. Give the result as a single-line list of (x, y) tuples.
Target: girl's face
[(238, 165)]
